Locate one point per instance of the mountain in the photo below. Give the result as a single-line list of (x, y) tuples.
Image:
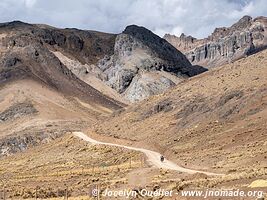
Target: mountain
[(40, 98), (127, 67), (80, 76), (144, 64), (56, 83), (25, 55), (225, 44)]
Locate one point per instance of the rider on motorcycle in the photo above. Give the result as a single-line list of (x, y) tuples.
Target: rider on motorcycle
[(161, 158)]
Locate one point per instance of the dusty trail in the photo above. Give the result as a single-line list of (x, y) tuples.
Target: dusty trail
[(152, 156)]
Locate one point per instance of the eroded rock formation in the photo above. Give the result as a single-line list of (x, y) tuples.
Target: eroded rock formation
[(224, 44)]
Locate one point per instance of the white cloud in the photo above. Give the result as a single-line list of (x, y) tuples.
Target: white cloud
[(194, 17), (177, 31), (160, 32), (29, 3)]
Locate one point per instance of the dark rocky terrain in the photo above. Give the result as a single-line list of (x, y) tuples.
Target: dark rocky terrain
[(16, 111), (225, 44)]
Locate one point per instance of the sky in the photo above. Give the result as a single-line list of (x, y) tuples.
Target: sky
[(192, 17)]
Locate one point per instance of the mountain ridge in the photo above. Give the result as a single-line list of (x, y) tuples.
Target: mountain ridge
[(115, 59), (225, 44)]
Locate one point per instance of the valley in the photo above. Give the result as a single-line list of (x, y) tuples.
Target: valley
[(83, 110)]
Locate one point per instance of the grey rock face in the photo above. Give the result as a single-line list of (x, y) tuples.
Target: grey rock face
[(138, 55), (147, 84), (229, 48), (20, 142), (174, 61), (9, 61), (225, 44), (17, 111)]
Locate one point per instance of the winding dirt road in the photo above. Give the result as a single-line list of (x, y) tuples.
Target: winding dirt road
[(152, 157)]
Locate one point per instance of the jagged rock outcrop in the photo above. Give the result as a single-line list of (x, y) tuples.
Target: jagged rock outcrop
[(144, 64), (16, 111), (224, 44)]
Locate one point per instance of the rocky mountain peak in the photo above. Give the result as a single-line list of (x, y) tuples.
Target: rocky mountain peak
[(159, 46), (15, 24), (244, 22), (225, 44), (136, 30), (143, 64)]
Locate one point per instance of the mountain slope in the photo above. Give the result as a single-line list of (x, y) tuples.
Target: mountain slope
[(215, 121), (25, 56), (40, 97)]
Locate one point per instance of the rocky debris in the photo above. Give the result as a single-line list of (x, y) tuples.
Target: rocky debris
[(165, 105), (229, 96), (145, 85), (9, 61), (193, 109), (36, 134), (224, 44), (17, 143), (138, 55), (17, 110)]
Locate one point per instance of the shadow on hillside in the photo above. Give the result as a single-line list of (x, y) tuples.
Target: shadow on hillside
[(254, 51), (197, 69)]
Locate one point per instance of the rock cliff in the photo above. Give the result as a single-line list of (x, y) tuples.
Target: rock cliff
[(225, 44)]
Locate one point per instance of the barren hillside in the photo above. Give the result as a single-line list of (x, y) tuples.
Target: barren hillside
[(40, 98)]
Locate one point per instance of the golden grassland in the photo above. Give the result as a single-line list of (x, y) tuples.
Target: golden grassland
[(65, 162)]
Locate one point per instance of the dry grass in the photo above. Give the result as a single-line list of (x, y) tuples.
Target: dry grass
[(66, 162)]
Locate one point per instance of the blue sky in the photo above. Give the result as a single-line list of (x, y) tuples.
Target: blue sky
[(195, 17)]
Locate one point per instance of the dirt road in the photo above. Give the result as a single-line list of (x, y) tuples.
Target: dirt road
[(152, 157)]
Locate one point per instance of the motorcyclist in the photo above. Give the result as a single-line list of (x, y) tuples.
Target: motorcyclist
[(161, 158)]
